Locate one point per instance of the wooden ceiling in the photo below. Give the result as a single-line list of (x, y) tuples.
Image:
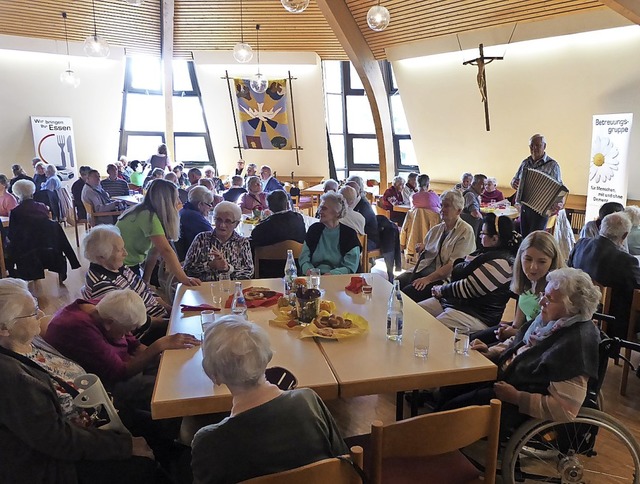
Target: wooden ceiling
[(215, 24)]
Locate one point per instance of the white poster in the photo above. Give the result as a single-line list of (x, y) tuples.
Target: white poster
[(54, 143), (608, 164)]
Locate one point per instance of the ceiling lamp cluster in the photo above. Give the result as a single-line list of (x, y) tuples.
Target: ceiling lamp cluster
[(295, 6), (95, 46), (258, 83), (68, 77), (378, 17), (242, 52)]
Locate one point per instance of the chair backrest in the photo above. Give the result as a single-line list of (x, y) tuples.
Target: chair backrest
[(335, 471), (364, 254), (436, 434), (89, 209), (631, 336), (604, 306), (275, 252)]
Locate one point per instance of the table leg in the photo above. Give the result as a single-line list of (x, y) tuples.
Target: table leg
[(399, 406), (414, 402)]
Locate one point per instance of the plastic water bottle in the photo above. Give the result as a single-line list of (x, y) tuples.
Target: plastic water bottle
[(290, 274), (395, 318), (239, 304)]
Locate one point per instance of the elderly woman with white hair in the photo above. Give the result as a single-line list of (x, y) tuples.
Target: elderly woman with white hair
[(222, 251), (52, 182), (394, 196), (450, 240), (193, 218), (255, 198), (104, 248), (330, 246), (43, 437), (27, 209), (491, 193), (545, 370), (273, 430)]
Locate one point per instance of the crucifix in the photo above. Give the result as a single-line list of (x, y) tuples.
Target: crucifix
[(481, 62)]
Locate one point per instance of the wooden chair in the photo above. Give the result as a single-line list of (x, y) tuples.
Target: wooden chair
[(425, 448), (335, 471), (275, 252), (79, 221), (604, 306), (135, 188), (631, 336), (364, 254), (91, 214)]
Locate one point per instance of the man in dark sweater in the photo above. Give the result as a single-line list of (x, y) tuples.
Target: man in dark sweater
[(233, 193), (608, 264), (363, 207)]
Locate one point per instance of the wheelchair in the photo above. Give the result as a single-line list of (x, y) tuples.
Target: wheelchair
[(594, 448)]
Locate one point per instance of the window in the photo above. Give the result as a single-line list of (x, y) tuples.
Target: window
[(143, 113), (350, 122)]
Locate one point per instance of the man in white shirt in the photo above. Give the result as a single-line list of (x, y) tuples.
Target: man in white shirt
[(352, 218)]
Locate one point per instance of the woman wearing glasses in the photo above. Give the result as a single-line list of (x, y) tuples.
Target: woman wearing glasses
[(255, 198), (222, 251), (43, 437), (193, 218), (147, 229)]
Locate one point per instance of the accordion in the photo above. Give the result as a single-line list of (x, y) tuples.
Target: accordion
[(539, 191)]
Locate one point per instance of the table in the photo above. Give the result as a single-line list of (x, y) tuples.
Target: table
[(3, 267), (401, 208), (129, 199), (363, 365), (245, 229), (511, 212)]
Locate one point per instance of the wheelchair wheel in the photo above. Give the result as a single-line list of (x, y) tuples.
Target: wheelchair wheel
[(595, 448)]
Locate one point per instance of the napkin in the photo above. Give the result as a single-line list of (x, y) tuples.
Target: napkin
[(356, 284), (254, 303), (202, 307)]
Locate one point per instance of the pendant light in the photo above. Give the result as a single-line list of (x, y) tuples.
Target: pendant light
[(295, 6), (258, 82), (95, 46), (68, 77), (242, 52), (378, 17)]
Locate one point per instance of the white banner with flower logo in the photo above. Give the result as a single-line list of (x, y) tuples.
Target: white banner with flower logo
[(608, 165)]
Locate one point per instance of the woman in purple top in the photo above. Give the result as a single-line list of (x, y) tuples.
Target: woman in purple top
[(491, 193), (425, 198), (255, 198)]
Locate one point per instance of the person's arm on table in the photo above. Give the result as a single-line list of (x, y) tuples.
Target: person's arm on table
[(164, 249), (145, 355)]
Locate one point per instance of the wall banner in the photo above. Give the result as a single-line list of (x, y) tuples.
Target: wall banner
[(608, 163), (263, 116), (54, 143)]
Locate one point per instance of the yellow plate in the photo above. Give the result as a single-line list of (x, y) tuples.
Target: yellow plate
[(284, 315), (251, 221), (359, 326)]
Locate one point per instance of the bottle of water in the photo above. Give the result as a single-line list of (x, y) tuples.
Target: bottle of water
[(394, 313), (290, 274), (239, 304)]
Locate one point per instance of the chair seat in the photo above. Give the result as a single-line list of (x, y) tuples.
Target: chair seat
[(450, 468)]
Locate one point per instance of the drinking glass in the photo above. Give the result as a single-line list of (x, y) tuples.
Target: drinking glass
[(461, 341), (216, 294), (421, 343), (225, 282), (315, 278), (207, 318)]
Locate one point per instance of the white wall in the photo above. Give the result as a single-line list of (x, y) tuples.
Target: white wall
[(309, 110), (30, 85), (553, 86)]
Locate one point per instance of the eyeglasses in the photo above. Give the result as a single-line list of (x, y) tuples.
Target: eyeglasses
[(220, 221), (34, 315)]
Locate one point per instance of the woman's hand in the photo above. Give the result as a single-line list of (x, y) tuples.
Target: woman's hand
[(178, 341), (421, 282), (140, 448), (436, 291), (190, 281), (506, 393), (219, 263), (479, 346), (505, 331)]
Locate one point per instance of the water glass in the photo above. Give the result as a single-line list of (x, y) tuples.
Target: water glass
[(225, 282), (314, 275), (207, 318), (461, 341), (216, 294), (421, 343)]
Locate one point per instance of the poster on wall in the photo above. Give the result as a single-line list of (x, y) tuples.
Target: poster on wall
[(608, 163), (263, 116), (54, 143)]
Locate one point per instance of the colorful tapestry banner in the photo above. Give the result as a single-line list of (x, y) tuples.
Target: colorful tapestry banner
[(608, 163), (263, 116)]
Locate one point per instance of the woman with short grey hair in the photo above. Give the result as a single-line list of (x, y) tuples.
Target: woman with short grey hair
[(394, 196), (330, 246), (104, 248), (194, 218), (275, 430), (221, 251), (28, 209), (52, 182)]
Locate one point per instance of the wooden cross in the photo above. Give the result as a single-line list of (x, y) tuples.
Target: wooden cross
[(481, 62)]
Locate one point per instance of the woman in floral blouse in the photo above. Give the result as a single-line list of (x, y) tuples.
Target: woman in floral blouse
[(222, 251)]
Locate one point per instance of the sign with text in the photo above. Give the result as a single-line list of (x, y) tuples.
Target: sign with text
[(608, 164), (54, 143)]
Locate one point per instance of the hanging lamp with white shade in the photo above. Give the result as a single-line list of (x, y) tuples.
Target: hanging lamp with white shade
[(68, 77), (258, 82), (95, 46), (378, 17), (242, 52), (295, 6)]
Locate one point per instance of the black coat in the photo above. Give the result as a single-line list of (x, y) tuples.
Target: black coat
[(370, 223), (610, 266)]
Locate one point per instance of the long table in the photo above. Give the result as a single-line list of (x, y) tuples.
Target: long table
[(363, 365)]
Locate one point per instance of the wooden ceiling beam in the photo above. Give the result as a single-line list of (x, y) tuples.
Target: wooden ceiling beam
[(337, 14), (629, 9)]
